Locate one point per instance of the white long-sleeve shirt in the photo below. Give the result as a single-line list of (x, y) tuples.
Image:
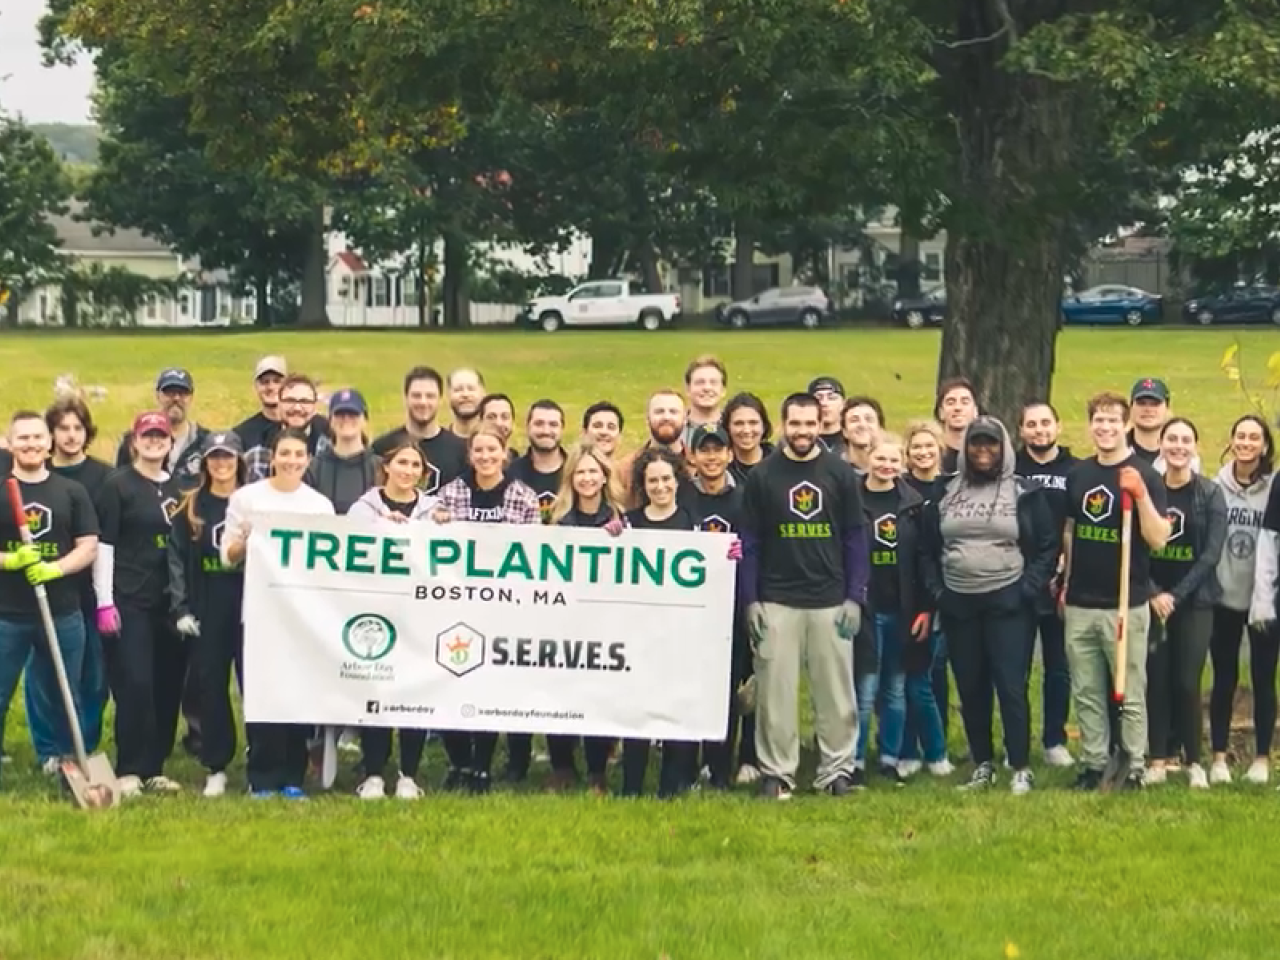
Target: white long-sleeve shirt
[(260, 499)]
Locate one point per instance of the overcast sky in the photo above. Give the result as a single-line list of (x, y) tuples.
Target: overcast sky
[(40, 94)]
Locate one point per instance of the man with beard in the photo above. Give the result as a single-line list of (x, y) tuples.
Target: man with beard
[(1043, 462), (705, 380), (258, 429), (540, 469), (466, 390), (298, 399), (602, 423), (175, 391), (803, 580), (665, 417), (444, 451), (829, 392)]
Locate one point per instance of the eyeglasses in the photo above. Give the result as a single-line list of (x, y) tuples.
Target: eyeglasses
[(299, 401)]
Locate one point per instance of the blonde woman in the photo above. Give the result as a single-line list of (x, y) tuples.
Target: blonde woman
[(923, 440)]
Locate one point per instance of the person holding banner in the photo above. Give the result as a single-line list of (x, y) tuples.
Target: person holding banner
[(205, 598), (398, 500), (586, 499), (804, 584), (277, 752), (483, 494), (655, 480)]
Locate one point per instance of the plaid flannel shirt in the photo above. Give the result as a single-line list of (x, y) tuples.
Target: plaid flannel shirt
[(257, 460), (519, 502)]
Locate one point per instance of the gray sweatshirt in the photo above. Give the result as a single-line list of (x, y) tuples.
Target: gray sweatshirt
[(979, 524), (370, 506), (1245, 506)]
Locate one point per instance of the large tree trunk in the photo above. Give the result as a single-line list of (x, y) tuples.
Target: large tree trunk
[(607, 250), (744, 258), (262, 300), (455, 292), (650, 274), (313, 312), (908, 262)]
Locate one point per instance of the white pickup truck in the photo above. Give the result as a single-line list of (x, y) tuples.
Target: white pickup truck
[(603, 303)]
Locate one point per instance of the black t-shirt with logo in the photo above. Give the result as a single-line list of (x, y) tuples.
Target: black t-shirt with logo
[(211, 585), (486, 505), (882, 511), (680, 520), (545, 485), (58, 512), (134, 513), (445, 453), (1171, 562), (1094, 503), (403, 507), (714, 512), (799, 511)]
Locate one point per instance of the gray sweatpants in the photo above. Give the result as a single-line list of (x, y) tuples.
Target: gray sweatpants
[(794, 637)]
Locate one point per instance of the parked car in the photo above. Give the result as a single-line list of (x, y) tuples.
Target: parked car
[(1246, 303), (807, 306), (603, 303), (1112, 303), (916, 312)]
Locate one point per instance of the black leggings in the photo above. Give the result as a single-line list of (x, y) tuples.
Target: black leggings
[(212, 656), (375, 744), (470, 751), (676, 774), (1224, 651), (147, 667), (1176, 652)]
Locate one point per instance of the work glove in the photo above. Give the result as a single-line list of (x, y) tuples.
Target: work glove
[(43, 572), (21, 558), (1131, 482), (735, 549), (849, 620), (108, 620), (755, 623), (614, 527), (920, 627), (188, 625)]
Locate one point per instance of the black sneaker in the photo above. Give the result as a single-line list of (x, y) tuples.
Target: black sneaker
[(479, 784), (1136, 780), (859, 779), (841, 786), (1088, 781), (983, 776), (771, 788), (890, 773), (457, 779)]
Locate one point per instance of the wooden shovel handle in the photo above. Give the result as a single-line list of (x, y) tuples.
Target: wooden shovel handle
[(1122, 611)]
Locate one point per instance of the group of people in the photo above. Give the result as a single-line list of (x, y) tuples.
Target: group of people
[(883, 566)]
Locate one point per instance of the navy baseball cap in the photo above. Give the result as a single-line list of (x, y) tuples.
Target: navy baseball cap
[(708, 433), (1150, 389), (830, 384), (175, 378), (347, 400), (222, 442)]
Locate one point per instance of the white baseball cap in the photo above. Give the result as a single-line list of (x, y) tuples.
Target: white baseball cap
[(271, 365)]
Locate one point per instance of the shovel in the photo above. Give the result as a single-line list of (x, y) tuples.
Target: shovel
[(1117, 770), (92, 780)]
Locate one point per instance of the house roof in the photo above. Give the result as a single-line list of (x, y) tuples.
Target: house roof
[(78, 235), (352, 261)]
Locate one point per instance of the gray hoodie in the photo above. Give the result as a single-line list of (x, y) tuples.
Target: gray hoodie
[(1245, 506), (979, 522), (342, 479), (370, 506)]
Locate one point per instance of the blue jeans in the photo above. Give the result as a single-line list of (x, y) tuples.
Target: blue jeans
[(865, 688), (924, 732), (21, 639), (44, 718), (893, 688), (1057, 680)]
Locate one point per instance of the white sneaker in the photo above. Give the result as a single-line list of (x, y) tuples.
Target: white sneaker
[(1196, 777), (1219, 772), (942, 768), (408, 789), (909, 768), (372, 788), (1156, 776), (51, 767), (747, 774), (130, 786), (161, 784), (1022, 782), (1059, 756), (215, 785), (1259, 771)]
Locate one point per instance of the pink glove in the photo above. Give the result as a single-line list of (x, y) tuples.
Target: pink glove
[(614, 527), (735, 549), (108, 620)]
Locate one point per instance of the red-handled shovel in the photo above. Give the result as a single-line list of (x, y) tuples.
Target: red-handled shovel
[(1117, 769)]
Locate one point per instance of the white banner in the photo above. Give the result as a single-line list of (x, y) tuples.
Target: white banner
[(465, 626)]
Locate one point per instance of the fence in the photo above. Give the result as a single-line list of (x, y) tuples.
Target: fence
[(1150, 271), (347, 314)]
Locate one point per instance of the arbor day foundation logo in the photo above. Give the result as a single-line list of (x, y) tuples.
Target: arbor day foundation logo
[(1098, 504), (460, 649), (369, 636)]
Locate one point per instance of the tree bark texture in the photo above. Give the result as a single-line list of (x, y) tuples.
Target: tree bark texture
[(313, 311), (454, 285)]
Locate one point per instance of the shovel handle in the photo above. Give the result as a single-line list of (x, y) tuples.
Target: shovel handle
[(15, 504), (1122, 608)]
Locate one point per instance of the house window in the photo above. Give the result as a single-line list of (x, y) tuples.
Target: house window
[(715, 281), (381, 291), (153, 307), (410, 290), (224, 304), (344, 288), (44, 307), (184, 305), (249, 308), (763, 277), (932, 267)]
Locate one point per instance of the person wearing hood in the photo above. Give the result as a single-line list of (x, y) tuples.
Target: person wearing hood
[(398, 500), (1045, 463), (345, 471), (1246, 480), (905, 645), (989, 551)]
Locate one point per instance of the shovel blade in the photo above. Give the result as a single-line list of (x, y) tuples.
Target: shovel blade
[(95, 787), (1116, 771)]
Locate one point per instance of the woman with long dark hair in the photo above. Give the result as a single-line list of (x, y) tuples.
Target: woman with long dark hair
[(747, 423), (483, 494), (1246, 479), (277, 751), (205, 598), (397, 500)]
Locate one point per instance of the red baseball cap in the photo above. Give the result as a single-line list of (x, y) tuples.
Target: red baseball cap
[(151, 422)]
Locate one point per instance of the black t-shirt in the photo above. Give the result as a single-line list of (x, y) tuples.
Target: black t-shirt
[(576, 518), (90, 474), (58, 512), (1142, 453), (1094, 503), (742, 470), (6, 463), (402, 507), (445, 453), (1052, 476), (545, 485), (210, 585), (1171, 562), (680, 520), (800, 511), (486, 505), (135, 514), (713, 512), (256, 431), (882, 511), (950, 461), (929, 490)]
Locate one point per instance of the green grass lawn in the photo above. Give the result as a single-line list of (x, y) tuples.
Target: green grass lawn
[(918, 872)]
